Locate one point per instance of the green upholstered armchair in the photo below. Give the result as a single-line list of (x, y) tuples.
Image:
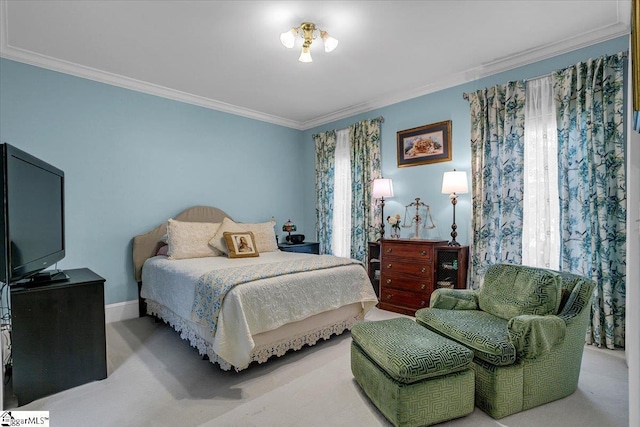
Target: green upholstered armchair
[(526, 327)]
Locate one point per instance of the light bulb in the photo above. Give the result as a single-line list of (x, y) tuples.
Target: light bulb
[(288, 38), (329, 42), (305, 55)]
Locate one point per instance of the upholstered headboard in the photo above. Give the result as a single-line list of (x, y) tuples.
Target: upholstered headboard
[(146, 245)]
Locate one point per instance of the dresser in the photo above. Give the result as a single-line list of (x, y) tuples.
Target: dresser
[(407, 274)]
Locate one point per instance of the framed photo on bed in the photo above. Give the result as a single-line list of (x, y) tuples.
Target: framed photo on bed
[(241, 244), (425, 144)]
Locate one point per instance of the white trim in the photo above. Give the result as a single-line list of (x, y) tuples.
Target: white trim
[(498, 66), (121, 311), (503, 64)]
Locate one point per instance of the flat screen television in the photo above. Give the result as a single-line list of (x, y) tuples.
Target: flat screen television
[(32, 219)]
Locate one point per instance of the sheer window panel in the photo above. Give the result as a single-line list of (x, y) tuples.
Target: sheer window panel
[(541, 234), (341, 237)]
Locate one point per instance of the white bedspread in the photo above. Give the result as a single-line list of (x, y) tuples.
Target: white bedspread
[(258, 306)]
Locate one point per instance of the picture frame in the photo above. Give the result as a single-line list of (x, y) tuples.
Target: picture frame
[(425, 144), (241, 244)]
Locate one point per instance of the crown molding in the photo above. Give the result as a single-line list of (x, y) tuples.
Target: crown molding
[(494, 67), (89, 73), (497, 66), (21, 55)]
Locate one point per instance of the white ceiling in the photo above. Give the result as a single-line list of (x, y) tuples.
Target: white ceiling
[(227, 55)]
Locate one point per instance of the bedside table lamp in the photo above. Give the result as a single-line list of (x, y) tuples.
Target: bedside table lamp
[(289, 227), (382, 188), (454, 183)]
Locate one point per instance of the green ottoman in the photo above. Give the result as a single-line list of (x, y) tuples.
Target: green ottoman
[(415, 377)]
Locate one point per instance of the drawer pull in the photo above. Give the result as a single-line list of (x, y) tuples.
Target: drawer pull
[(388, 265), (423, 269), (388, 296), (388, 250), (423, 253), (423, 286), (421, 303), (388, 281)]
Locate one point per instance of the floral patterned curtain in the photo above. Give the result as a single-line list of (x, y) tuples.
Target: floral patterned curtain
[(325, 147), (497, 168), (365, 166), (591, 150)]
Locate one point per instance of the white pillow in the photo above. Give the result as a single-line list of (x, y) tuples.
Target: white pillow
[(263, 233), (190, 239)]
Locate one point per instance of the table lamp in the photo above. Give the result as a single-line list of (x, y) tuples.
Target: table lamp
[(382, 188), (454, 183), (289, 227)]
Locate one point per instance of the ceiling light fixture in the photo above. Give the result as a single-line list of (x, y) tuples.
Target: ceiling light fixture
[(309, 32)]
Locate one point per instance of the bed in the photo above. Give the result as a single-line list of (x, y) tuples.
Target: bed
[(285, 300)]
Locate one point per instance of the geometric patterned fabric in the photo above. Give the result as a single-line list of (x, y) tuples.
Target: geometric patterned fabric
[(511, 290), (546, 350), (484, 333), (430, 401), (408, 352)]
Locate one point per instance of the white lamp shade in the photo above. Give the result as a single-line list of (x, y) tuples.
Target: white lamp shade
[(329, 42), (288, 38), (455, 182), (382, 187), (305, 55)]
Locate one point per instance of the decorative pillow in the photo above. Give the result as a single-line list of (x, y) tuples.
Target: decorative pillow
[(264, 235), (218, 241), (163, 250), (190, 239), (513, 290), (241, 244)]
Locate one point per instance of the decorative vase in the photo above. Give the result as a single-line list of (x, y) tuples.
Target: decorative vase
[(395, 233)]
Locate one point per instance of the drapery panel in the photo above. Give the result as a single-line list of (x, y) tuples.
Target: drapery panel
[(497, 153), (591, 145), (365, 167), (325, 147)]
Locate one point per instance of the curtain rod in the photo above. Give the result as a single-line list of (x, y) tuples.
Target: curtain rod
[(379, 119), (465, 96)]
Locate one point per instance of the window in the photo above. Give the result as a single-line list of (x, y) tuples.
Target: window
[(341, 236), (541, 204)]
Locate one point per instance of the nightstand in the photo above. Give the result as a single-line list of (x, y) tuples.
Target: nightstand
[(305, 248)]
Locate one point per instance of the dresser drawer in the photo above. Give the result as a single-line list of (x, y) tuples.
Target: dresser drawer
[(406, 299), (415, 270), (407, 250), (413, 285)]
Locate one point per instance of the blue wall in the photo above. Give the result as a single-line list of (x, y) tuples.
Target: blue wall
[(133, 160), (425, 181)]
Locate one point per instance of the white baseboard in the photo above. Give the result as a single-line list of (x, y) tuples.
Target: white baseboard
[(121, 311)]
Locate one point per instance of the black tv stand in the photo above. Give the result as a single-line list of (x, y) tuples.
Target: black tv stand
[(49, 276), (58, 335)]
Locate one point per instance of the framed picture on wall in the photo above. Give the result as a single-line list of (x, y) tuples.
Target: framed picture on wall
[(425, 144)]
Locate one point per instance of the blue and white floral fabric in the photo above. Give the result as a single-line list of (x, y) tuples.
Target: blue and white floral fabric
[(365, 167), (325, 149), (593, 204), (497, 168)]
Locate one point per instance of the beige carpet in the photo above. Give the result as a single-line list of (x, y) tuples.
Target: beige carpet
[(156, 379)]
